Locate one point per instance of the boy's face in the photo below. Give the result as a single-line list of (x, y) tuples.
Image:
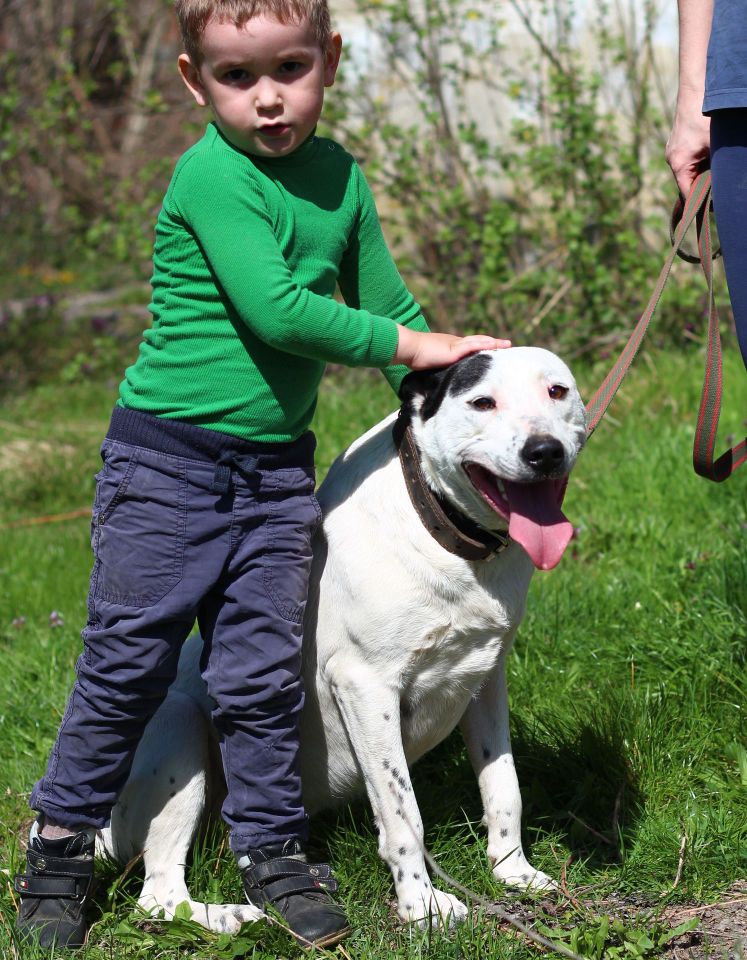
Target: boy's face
[(264, 81)]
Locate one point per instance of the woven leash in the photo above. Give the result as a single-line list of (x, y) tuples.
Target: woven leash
[(696, 208)]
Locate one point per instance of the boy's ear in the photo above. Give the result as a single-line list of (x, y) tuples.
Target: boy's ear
[(192, 80), (332, 58)]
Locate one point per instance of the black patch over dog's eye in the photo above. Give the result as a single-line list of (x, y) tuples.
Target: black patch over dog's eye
[(483, 403), (557, 392)]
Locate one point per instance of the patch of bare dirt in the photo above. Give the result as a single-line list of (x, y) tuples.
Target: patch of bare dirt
[(721, 933)]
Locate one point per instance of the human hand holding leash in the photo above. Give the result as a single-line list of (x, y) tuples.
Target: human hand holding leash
[(688, 148), (420, 351)]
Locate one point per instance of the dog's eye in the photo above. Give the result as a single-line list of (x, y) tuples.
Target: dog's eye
[(483, 403), (557, 392)]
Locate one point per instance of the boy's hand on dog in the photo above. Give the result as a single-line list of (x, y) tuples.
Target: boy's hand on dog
[(420, 351)]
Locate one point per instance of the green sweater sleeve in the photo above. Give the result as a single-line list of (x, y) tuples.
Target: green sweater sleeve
[(233, 225), (369, 278)]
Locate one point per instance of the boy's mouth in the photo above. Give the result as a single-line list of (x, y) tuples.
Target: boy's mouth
[(273, 130)]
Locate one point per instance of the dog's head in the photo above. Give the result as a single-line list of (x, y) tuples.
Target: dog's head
[(498, 434)]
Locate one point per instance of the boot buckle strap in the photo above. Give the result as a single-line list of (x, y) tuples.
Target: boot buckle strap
[(68, 888)]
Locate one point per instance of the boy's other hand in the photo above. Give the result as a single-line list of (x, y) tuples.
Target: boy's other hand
[(419, 350)]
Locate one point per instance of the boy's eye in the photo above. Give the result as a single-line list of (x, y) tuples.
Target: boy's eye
[(290, 66), (237, 75)]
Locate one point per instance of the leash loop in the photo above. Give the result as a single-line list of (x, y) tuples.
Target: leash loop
[(677, 211), (696, 208)]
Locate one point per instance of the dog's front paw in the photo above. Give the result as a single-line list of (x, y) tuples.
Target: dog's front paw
[(525, 877), (430, 905)]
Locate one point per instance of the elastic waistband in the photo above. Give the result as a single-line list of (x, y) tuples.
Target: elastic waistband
[(180, 439)]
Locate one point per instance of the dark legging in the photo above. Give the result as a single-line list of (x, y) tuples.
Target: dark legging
[(729, 172)]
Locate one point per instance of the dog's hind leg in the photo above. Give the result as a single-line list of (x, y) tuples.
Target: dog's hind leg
[(486, 733), (370, 712), (161, 809)]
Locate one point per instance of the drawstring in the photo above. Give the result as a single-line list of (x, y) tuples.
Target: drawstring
[(246, 464)]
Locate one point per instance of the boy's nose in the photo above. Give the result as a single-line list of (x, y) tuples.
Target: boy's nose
[(266, 94)]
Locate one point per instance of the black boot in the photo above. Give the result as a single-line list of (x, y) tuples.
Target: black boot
[(278, 876), (55, 888)]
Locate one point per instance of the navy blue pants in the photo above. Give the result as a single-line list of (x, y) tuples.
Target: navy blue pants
[(192, 525), (729, 175)]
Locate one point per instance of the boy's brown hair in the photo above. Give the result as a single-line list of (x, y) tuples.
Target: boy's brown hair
[(194, 15)]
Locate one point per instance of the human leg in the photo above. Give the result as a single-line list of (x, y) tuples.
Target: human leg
[(729, 174), (138, 618), (143, 600), (252, 625)]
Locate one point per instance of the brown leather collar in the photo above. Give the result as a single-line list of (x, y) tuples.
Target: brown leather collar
[(451, 529)]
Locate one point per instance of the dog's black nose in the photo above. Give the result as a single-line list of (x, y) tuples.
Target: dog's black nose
[(544, 454)]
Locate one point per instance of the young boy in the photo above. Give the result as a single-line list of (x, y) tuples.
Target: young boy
[(205, 505)]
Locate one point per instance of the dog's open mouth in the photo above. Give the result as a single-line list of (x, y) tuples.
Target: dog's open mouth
[(535, 520)]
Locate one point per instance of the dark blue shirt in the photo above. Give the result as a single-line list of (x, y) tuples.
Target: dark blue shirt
[(726, 71)]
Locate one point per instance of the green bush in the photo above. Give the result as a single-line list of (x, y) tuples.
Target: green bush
[(547, 225)]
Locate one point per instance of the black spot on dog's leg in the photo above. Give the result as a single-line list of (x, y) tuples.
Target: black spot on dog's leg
[(400, 874), (504, 833), (402, 851), (386, 716)]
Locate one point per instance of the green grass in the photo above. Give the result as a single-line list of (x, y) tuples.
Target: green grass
[(628, 685)]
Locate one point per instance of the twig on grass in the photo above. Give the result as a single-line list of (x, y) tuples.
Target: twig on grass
[(616, 810), (704, 908), (50, 518), (307, 944), (221, 848), (681, 863), (564, 889)]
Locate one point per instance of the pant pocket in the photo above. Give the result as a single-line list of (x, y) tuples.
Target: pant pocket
[(293, 516), (139, 527)]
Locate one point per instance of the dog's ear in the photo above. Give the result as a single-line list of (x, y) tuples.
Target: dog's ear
[(422, 391)]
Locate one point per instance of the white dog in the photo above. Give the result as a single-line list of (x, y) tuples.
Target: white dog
[(421, 572)]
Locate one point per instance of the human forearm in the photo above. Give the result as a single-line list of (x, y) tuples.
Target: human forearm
[(689, 142), (695, 18)]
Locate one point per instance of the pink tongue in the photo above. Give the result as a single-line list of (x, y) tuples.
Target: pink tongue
[(537, 522)]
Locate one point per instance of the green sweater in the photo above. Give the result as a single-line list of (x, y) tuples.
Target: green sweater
[(248, 254)]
